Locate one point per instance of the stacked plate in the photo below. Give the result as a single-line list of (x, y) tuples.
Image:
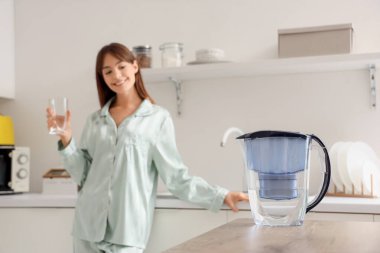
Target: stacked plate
[(210, 55), (355, 164)]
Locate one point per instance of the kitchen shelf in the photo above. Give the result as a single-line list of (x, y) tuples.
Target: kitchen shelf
[(326, 63)]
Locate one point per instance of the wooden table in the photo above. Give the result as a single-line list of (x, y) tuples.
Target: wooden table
[(243, 236)]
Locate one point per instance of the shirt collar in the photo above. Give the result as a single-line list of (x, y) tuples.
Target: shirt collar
[(146, 108)]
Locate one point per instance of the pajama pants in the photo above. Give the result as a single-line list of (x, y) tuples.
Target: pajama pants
[(81, 246)]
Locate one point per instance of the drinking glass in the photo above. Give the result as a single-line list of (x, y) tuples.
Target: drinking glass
[(59, 107)]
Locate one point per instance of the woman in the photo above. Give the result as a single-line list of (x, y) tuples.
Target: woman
[(124, 147)]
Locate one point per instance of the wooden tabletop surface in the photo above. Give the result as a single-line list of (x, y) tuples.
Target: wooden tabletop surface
[(243, 236)]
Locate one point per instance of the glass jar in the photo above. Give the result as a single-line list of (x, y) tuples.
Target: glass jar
[(172, 54), (143, 55)]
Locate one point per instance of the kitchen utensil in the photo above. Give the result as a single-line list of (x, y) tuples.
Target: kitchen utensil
[(334, 166), (278, 176), (342, 165), (207, 56), (7, 136), (362, 163), (143, 55), (355, 161), (205, 62), (59, 107), (171, 54), (358, 154), (371, 177), (360, 167)]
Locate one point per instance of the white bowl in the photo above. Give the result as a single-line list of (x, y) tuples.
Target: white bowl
[(209, 55)]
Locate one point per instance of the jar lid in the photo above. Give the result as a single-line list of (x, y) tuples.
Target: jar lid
[(142, 48), (171, 45)]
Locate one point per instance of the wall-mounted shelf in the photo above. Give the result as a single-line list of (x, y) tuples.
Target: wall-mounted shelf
[(328, 63)]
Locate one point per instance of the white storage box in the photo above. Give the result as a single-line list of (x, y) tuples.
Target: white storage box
[(58, 181), (319, 40)]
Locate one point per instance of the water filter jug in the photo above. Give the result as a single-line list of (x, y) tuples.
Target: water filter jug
[(277, 171)]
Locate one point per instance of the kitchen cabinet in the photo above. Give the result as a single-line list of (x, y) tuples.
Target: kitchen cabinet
[(239, 215), (339, 216), (28, 229), (7, 49), (174, 226), (325, 63), (35, 219), (40, 230), (46, 230)]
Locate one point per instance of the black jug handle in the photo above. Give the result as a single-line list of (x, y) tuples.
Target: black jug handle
[(326, 180)]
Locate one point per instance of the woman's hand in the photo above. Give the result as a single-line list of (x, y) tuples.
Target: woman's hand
[(66, 135), (232, 198)]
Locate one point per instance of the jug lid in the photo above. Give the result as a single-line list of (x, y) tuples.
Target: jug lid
[(270, 133)]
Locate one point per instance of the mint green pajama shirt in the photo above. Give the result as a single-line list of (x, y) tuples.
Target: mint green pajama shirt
[(118, 168)]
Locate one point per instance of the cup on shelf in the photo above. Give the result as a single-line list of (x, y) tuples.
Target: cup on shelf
[(59, 107)]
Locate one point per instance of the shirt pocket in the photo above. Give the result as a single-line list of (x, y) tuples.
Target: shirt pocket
[(136, 149), (136, 141)]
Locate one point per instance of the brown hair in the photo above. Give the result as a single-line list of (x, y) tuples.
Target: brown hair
[(122, 53)]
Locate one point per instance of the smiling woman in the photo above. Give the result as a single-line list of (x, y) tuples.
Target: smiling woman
[(125, 147), (122, 56)]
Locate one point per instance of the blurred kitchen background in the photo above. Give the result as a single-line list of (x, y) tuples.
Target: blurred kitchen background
[(56, 43)]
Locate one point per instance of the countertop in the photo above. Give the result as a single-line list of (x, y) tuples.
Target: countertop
[(242, 235), (166, 200)]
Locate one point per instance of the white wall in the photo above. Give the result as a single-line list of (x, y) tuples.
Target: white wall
[(7, 49), (57, 42)]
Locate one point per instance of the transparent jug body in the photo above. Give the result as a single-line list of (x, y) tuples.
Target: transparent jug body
[(277, 179), (278, 212)]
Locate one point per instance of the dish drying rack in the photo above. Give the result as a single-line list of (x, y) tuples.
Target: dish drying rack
[(352, 192)]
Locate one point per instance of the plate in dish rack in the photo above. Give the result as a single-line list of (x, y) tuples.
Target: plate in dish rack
[(342, 165), (371, 178), (362, 164), (334, 166), (356, 157)]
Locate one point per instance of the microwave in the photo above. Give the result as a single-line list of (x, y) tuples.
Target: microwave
[(14, 169)]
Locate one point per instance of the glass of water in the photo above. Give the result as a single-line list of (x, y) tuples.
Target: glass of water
[(58, 107)]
